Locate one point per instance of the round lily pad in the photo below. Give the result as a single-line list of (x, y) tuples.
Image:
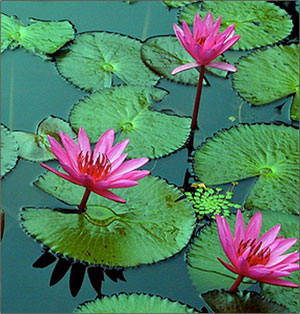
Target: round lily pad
[(248, 302), (133, 303), (177, 4), (40, 37), (36, 147), (9, 150), (126, 108), (270, 152), (273, 73), (150, 227), (162, 54), (259, 23), (94, 56)]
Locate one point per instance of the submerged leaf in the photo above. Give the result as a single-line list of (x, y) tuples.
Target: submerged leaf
[(95, 56), (9, 150), (273, 73), (133, 303), (270, 152), (126, 108), (259, 23), (150, 227), (36, 147)]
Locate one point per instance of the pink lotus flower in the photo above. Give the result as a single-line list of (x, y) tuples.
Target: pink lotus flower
[(98, 170), (258, 258), (206, 44)]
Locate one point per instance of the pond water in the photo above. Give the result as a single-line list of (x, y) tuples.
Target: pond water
[(32, 90)]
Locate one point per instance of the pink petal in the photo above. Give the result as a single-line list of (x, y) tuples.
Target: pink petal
[(269, 237), (242, 266), (257, 273), (209, 20), (109, 195), (283, 259), (134, 175), (116, 164), (197, 26), (58, 151), (254, 226), (187, 32), (239, 231), (84, 142), (280, 282), (128, 166), (118, 184), (185, 67), (285, 267), (215, 29), (104, 143), (229, 43), (222, 66), (71, 148), (283, 246), (228, 266), (230, 252), (177, 30), (117, 150)]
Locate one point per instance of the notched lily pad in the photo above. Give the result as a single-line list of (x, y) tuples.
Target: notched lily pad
[(273, 73), (126, 108), (133, 303), (150, 227), (244, 302), (94, 56), (40, 37), (9, 150), (259, 23), (36, 147), (269, 152)]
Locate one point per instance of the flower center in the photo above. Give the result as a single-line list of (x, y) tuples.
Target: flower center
[(98, 168), (256, 256), (201, 40)]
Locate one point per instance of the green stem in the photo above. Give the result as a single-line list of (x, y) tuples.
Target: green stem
[(237, 282), (84, 200), (197, 100)]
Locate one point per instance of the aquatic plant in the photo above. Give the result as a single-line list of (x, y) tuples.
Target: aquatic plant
[(204, 45), (258, 258), (98, 170)]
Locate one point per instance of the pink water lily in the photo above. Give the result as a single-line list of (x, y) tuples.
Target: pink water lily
[(258, 258), (206, 43), (99, 170)]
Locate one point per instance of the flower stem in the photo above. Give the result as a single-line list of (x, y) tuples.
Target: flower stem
[(85, 197), (197, 100), (237, 282)]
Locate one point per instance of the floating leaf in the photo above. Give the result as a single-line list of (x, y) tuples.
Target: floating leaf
[(133, 303), (273, 73), (248, 302), (163, 54), (270, 152), (126, 108), (9, 150), (177, 4), (150, 227), (40, 37), (36, 147), (259, 23), (95, 56)]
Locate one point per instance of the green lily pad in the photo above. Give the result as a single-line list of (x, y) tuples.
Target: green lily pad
[(133, 303), (9, 150), (248, 302), (270, 152), (40, 37), (36, 147), (95, 56), (150, 227), (177, 4), (126, 108), (162, 54), (259, 23), (273, 73)]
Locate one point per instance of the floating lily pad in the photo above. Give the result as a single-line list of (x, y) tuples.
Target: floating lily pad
[(150, 227), (9, 150), (36, 147), (270, 152), (40, 37), (177, 4), (248, 302), (163, 54), (95, 56), (133, 303), (259, 23), (273, 73), (126, 108)]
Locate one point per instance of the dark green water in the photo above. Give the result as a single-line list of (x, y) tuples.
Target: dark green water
[(31, 90)]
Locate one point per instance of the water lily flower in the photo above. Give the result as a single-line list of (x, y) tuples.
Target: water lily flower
[(258, 258), (99, 170)]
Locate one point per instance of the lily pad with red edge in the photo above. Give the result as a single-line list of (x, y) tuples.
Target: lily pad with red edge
[(134, 303), (36, 147), (268, 152), (9, 150), (148, 228), (93, 57), (273, 73), (259, 23)]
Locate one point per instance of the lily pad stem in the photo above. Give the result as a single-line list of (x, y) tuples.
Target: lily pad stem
[(83, 202), (237, 282), (197, 100)]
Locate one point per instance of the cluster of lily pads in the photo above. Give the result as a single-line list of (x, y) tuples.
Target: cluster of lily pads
[(158, 219)]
